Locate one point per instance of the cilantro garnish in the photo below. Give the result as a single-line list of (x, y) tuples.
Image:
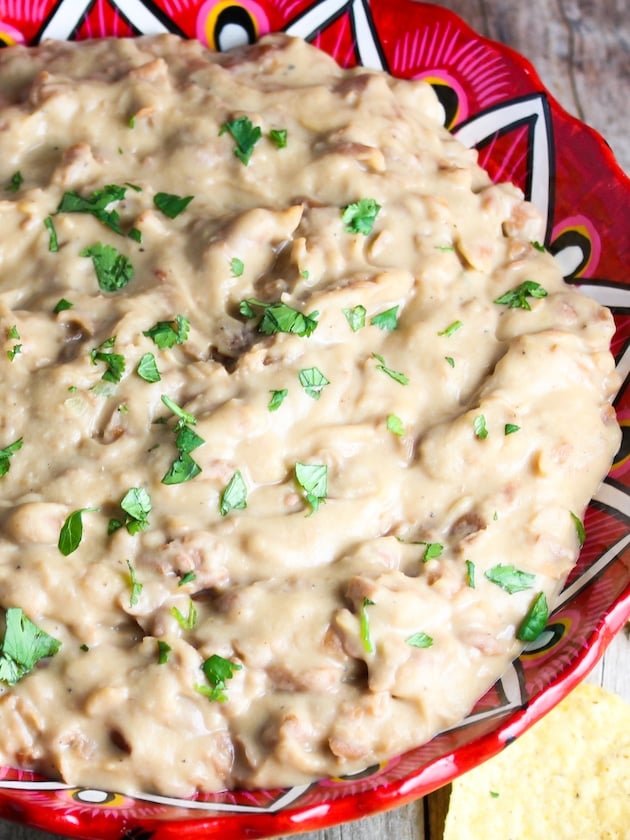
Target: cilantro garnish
[(115, 363), (395, 425), (186, 622), (517, 298), (234, 495), (113, 269), (184, 416), (535, 620), (53, 242), (277, 398), (538, 246), (147, 368), (187, 578), (510, 428), (217, 671), (313, 479), (15, 182), (452, 328), (71, 532), (12, 352), (313, 381), (12, 332), (479, 427), (96, 205), (470, 574), (171, 205), (7, 453), (579, 529), (432, 551), (136, 586), (279, 137), (163, 651), (419, 640), (395, 375), (510, 579), (450, 361), (364, 623), (136, 503), (184, 468), (166, 334), (355, 317), (245, 135), (279, 318), (237, 267), (359, 217), (387, 320), (24, 644), (62, 304)]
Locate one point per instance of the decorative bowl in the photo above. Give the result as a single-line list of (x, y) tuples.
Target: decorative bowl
[(493, 100)]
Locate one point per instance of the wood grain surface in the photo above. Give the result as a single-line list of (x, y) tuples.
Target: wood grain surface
[(581, 50)]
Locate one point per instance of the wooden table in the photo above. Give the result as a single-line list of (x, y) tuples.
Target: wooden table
[(579, 48)]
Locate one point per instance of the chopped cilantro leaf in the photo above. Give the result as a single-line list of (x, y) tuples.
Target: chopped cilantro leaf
[(95, 204), (364, 624), (114, 362), (163, 651), (184, 468), (395, 425), (13, 351), (450, 361), (15, 182), (136, 586), (355, 317), (12, 332), (166, 334), (61, 305), (579, 529), (280, 318), (171, 205), (136, 503), (510, 428), (538, 246), (147, 368), (237, 267), (185, 622), (517, 298), (234, 495), (313, 479), (113, 269), (135, 234), (178, 411), (217, 671), (6, 455), (359, 217), (452, 328), (279, 137), (510, 579), (24, 644), (245, 135), (387, 320), (277, 398), (395, 375), (313, 381), (53, 242), (432, 551), (187, 440), (419, 640), (187, 578), (479, 427), (470, 574), (71, 532), (535, 620)]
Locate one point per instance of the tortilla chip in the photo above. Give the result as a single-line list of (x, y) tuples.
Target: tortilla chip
[(566, 777)]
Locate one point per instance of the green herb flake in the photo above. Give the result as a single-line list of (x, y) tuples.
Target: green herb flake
[(23, 645), (166, 334), (234, 495), (245, 135), (470, 574), (237, 267), (278, 136), (280, 318), (432, 551), (189, 577), (12, 332), (71, 532), (136, 586), (171, 205), (393, 374), (113, 269), (163, 651), (53, 242), (135, 234), (450, 361), (7, 453), (313, 381), (355, 317), (136, 503), (579, 529), (535, 620), (185, 622), (178, 411), (387, 320), (61, 305), (183, 469), (510, 578), (359, 217), (517, 298), (494, 794), (364, 624), (479, 427), (147, 368), (277, 398), (187, 439), (419, 640), (538, 246), (313, 479), (395, 425), (217, 671), (14, 351), (96, 204), (15, 182), (114, 362), (452, 328)]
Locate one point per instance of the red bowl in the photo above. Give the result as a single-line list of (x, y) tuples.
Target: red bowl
[(494, 100)]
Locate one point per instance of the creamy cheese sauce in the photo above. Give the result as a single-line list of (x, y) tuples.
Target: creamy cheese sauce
[(350, 614)]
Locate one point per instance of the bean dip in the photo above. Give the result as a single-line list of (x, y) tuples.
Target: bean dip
[(298, 423)]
